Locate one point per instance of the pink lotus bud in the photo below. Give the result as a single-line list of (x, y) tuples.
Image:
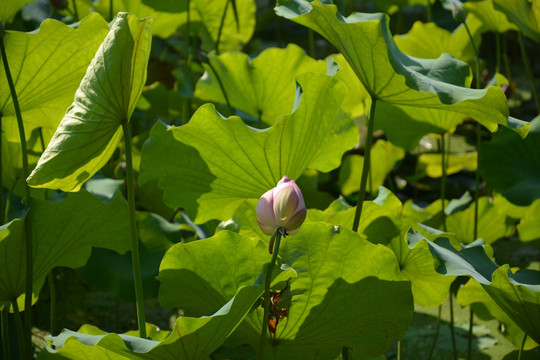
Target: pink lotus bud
[(281, 207)]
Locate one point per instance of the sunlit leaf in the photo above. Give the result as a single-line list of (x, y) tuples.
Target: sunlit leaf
[(492, 19), (263, 87), (384, 156), (529, 226), (47, 67), (211, 165), (63, 234), (431, 163), (393, 77), (90, 131)]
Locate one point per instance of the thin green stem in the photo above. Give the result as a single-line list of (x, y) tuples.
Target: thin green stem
[(366, 166), (266, 298), (221, 86), (428, 12), (52, 292), (27, 198), (498, 52), (436, 337), (111, 12), (470, 339), (6, 350), (443, 179), (522, 346), (75, 12), (399, 350), (311, 41), (505, 59), (221, 24), (476, 57), (23, 349), (345, 353), (2, 209), (527, 64), (137, 277), (452, 332)]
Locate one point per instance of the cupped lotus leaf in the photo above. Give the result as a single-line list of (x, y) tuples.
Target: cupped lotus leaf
[(524, 13), (234, 34), (517, 294), (10, 8), (384, 156), (91, 128), (47, 67), (211, 165), (474, 295), (511, 165), (429, 41), (63, 234), (431, 163), (391, 76), (191, 338), (491, 223), (492, 19), (263, 87), (529, 226)]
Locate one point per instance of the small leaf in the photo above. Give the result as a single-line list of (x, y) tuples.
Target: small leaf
[(90, 130), (431, 163)]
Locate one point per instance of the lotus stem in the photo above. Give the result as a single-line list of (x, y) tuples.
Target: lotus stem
[(452, 332), (52, 292), (266, 298), (23, 349), (443, 179), (221, 24), (366, 166), (399, 350), (522, 346), (75, 12), (527, 64), (221, 86), (469, 342), (137, 277), (6, 351), (27, 198), (436, 337)]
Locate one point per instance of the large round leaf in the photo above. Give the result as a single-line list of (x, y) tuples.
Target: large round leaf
[(209, 166), (393, 77), (47, 67), (90, 131)]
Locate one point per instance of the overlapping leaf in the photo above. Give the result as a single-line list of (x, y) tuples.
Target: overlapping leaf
[(336, 270), (393, 77), (211, 165), (524, 13), (431, 163), (492, 19), (63, 234), (10, 8), (517, 294), (262, 87), (90, 130), (47, 67)]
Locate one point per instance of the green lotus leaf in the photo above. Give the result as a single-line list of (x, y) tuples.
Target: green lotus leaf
[(384, 156), (517, 294), (47, 67), (63, 234), (473, 294), (430, 164), (529, 226), (330, 277), (524, 13), (491, 223), (492, 19), (392, 6), (90, 131), (429, 41), (194, 338), (211, 165), (393, 77), (511, 165), (262, 87), (382, 223), (10, 8)]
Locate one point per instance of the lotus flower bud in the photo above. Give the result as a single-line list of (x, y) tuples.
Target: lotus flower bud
[(282, 207), (458, 13)]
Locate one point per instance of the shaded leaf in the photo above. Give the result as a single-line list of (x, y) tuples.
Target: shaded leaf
[(90, 130), (524, 13), (63, 234), (10, 8)]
